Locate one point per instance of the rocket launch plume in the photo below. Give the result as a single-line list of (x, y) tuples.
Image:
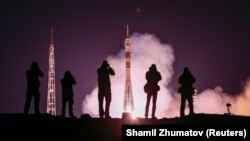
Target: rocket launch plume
[(147, 49)]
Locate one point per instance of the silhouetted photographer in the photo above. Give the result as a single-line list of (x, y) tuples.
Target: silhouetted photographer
[(33, 84), (104, 88), (152, 88), (186, 90), (67, 93)]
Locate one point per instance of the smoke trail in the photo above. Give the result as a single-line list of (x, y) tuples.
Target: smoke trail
[(213, 101), (210, 101), (146, 49), (241, 103)]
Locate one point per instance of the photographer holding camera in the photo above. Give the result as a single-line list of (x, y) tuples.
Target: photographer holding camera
[(104, 88)]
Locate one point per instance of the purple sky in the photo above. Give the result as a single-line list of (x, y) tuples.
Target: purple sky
[(210, 37)]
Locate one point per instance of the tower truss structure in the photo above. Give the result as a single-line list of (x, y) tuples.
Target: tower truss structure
[(51, 98)]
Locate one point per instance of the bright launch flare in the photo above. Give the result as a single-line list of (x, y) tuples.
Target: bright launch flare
[(142, 57)]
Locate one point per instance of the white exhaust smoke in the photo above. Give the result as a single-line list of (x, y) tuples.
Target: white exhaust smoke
[(146, 49), (214, 101)]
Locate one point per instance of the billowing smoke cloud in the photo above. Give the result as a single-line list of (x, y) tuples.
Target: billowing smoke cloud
[(241, 103), (214, 101), (210, 101), (147, 49)]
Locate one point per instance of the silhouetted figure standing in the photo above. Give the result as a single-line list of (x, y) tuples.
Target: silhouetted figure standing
[(33, 84), (104, 88), (152, 88), (67, 93), (186, 81)]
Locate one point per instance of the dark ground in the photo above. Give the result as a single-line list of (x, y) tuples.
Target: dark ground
[(41, 127)]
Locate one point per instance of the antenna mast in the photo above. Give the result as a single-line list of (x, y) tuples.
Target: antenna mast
[(51, 99)]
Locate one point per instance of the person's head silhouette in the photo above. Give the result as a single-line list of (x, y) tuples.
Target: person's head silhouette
[(153, 67), (105, 64), (67, 74), (186, 70), (34, 66)]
